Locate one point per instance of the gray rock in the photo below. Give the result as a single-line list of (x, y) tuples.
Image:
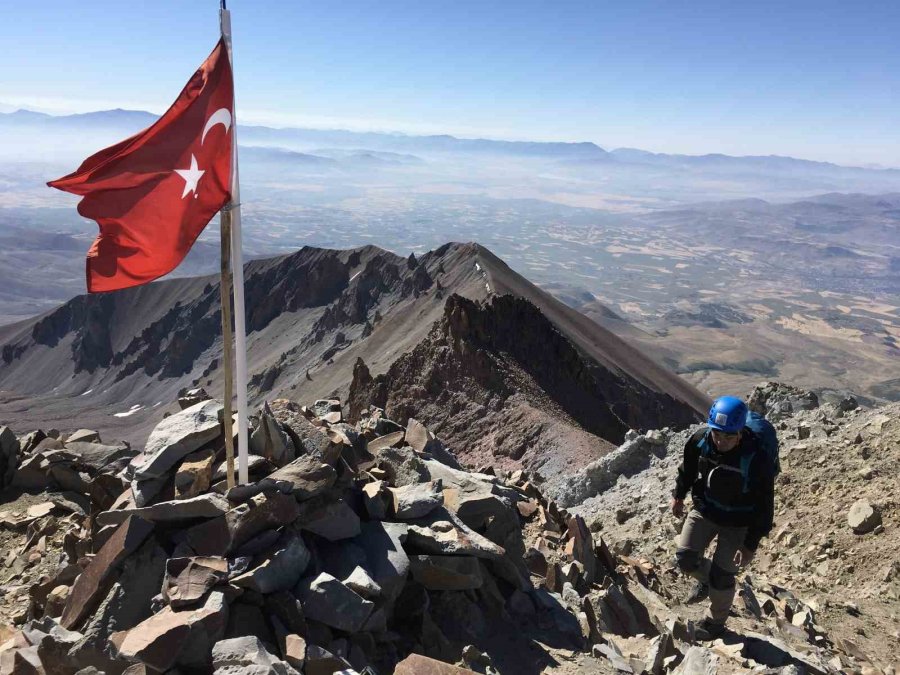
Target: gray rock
[(387, 562), (224, 535), (656, 655), (612, 652), (254, 462), (279, 569), (332, 520), (246, 653), (327, 600), (177, 636), (192, 397), (863, 517), (176, 436), (208, 505), (416, 501), (363, 584), (127, 604), (83, 435), (441, 532), (189, 579), (145, 491), (600, 475), (305, 477), (403, 466), (270, 441), (418, 437), (446, 573), (375, 500), (698, 661)]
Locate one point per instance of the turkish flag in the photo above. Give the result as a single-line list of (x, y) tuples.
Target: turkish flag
[(152, 194)]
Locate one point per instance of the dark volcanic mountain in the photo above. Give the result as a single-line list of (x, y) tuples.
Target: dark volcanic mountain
[(454, 338)]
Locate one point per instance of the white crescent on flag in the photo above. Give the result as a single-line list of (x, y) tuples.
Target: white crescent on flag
[(221, 116)]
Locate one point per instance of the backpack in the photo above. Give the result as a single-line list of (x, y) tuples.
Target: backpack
[(768, 439)]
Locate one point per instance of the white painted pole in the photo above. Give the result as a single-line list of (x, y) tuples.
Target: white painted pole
[(237, 268)]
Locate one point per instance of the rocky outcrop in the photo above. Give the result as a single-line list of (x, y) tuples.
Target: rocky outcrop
[(501, 385)]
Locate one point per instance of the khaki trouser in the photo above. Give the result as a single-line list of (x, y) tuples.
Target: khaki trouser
[(696, 535)]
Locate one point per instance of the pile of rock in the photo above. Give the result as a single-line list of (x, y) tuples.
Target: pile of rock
[(777, 401), (353, 547), (359, 548)]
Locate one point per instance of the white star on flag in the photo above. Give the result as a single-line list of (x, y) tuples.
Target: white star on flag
[(191, 177)]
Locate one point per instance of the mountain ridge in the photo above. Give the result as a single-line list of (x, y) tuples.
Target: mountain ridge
[(311, 316), (577, 151)]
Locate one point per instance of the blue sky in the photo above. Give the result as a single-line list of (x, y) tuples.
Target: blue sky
[(819, 80)]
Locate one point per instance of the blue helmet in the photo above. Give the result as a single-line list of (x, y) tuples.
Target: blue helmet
[(728, 414)]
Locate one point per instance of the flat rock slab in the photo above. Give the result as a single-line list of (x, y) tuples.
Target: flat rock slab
[(171, 636), (332, 520), (415, 664), (446, 573), (698, 661), (417, 501), (442, 533), (279, 569), (96, 457), (241, 651), (188, 579), (307, 476), (223, 535), (360, 581), (418, 437), (204, 506), (89, 585), (387, 441), (327, 600), (83, 435), (386, 561), (176, 436)]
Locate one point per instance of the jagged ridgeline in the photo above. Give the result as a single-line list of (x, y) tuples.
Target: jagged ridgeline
[(505, 373)]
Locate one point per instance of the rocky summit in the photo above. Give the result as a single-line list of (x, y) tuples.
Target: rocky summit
[(501, 370), (372, 547)]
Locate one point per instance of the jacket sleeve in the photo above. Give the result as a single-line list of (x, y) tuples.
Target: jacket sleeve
[(687, 470), (764, 513)]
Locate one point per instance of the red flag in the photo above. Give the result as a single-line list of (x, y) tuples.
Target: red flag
[(152, 194)]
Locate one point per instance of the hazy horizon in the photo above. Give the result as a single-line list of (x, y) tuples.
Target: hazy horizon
[(817, 81), (7, 109)]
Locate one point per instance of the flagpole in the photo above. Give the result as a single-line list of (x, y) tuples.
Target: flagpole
[(227, 354), (237, 268)]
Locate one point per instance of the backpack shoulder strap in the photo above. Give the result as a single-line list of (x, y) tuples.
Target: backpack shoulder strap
[(701, 438)]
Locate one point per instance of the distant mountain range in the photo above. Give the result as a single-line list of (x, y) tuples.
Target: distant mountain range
[(132, 121)]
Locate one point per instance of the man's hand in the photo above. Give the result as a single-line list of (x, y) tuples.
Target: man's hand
[(743, 556), (678, 508)]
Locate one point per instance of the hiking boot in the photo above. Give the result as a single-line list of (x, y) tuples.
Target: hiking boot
[(707, 630), (699, 593)]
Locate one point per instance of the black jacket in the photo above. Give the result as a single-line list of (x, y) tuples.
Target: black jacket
[(734, 488)]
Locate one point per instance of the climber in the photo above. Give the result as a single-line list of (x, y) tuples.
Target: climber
[(731, 478)]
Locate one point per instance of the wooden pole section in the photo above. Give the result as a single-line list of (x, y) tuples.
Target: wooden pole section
[(227, 354)]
